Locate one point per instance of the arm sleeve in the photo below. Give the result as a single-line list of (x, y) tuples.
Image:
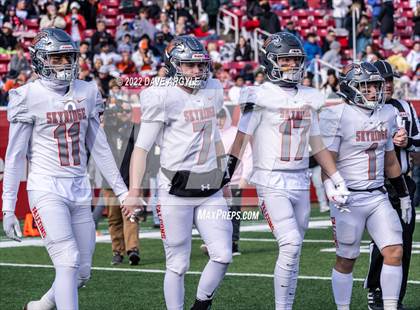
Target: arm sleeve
[(247, 163), (19, 136), (98, 146), (389, 146), (329, 125), (152, 107), (98, 104), (148, 134), (17, 108), (315, 131), (250, 119)]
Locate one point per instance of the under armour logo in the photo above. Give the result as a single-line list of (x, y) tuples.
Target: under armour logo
[(205, 187)]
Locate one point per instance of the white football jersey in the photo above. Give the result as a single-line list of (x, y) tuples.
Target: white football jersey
[(281, 123), (361, 138), (187, 140), (57, 146)]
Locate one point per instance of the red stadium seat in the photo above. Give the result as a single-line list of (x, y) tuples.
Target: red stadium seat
[(112, 31), (5, 58), (322, 33), (304, 23), (3, 69), (89, 33), (408, 43), (111, 3), (32, 24), (285, 13), (111, 23), (321, 23), (111, 12), (302, 13)]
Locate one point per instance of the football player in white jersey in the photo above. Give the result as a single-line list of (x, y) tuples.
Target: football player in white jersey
[(359, 134), (281, 116), (181, 118), (54, 122)]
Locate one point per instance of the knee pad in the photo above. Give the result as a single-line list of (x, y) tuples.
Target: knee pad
[(64, 254), (346, 233), (223, 256), (178, 264), (289, 246)]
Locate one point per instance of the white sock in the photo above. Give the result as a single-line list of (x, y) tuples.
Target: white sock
[(40, 305), (342, 285), (343, 307), (65, 288), (210, 279), (173, 288), (48, 297), (293, 284), (391, 278)]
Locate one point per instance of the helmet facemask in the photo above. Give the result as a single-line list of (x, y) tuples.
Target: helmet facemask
[(364, 96), (51, 65), (286, 74), (193, 81)]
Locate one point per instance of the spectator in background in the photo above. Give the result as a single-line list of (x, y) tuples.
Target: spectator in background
[(7, 39), (416, 21), (126, 44), (213, 52), (290, 28), (247, 73), (126, 65), (415, 83), (269, 21), (75, 23), (164, 20), (100, 36), (97, 64), (104, 79), (393, 43), (333, 56), (160, 45), (330, 88), (183, 25), (85, 53), (143, 57), (253, 9), (14, 79), (308, 81), (122, 30), (340, 11), (84, 70), (143, 26), (370, 53), (21, 11), (235, 91), (386, 17), (167, 35), (363, 34), (203, 31), (259, 78), (10, 17), (211, 7), (298, 4), (242, 50), (52, 19), (108, 57), (90, 9), (413, 57), (311, 47), (375, 6), (153, 9), (19, 62), (327, 40)]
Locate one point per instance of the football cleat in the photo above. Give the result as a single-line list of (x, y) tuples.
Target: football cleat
[(133, 257), (375, 299), (235, 249), (202, 305), (117, 259)]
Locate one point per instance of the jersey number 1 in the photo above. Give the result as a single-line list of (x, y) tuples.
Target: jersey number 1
[(371, 153), (60, 134), (286, 131)]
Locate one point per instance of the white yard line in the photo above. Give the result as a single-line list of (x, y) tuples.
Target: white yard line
[(231, 274)]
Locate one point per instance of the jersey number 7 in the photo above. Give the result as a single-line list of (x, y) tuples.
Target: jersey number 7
[(61, 134)]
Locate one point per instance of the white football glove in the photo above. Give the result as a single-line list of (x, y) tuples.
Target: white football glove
[(405, 203), (11, 226), (337, 191)]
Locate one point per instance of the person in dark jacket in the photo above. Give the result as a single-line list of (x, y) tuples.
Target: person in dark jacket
[(242, 51), (386, 17), (121, 133), (7, 39), (211, 7), (268, 20), (416, 21)]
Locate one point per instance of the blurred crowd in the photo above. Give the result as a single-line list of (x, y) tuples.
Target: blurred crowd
[(130, 41)]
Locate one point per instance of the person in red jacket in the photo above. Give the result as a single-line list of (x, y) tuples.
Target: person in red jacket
[(75, 23)]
